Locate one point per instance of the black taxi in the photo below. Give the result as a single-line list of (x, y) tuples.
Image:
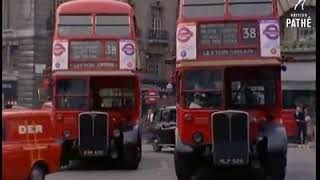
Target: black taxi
[(163, 128)]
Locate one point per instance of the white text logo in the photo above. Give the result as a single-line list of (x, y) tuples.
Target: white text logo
[(30, 129), (300, 2), (299, 19)]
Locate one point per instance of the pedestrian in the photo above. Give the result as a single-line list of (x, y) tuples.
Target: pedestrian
[(308, 124), (151, 115), (301, 123)]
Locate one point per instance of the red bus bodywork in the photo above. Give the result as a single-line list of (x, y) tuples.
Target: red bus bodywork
[(229, 97), (94, 66), (201, 118), (290, 123), (242, 62), (228, 78), (28, 141)]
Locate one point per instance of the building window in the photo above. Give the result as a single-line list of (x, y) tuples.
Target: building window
[(152, 65), (5, 14), (306, 33), (9, 57), (5, 60), (299, 34), (156, 20)]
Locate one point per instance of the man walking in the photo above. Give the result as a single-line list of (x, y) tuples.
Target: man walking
[(301, 123)]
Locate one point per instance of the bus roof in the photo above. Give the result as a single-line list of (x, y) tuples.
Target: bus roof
[(94, 6)]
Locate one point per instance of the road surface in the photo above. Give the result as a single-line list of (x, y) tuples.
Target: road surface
[(159, 166)]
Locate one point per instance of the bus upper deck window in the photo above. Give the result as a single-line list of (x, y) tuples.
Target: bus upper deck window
[(203, 8), (114, 25), (75, 25), (242, 7)]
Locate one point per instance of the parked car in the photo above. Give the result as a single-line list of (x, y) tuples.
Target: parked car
[(163, 128), (29, 146)]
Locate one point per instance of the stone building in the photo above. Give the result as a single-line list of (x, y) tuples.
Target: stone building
[(298, 45), (26, 44), (156, 21)]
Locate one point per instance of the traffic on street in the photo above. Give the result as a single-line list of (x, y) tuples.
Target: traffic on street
[(108, 92), (159, 166)]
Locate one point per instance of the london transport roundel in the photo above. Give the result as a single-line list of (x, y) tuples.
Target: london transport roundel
[(273, 51), (271, 31), (128, 49), (183, 53), (58, 49), (184, 34)]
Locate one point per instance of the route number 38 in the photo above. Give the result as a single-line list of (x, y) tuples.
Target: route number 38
[(111, 49), (249, 33)]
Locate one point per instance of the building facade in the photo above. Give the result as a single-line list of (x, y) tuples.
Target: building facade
[(26, 44), (156, 21), (298, 46)]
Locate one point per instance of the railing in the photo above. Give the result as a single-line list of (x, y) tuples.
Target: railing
[(299, 46)]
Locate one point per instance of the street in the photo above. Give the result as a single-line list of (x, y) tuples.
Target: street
[(159, 166)]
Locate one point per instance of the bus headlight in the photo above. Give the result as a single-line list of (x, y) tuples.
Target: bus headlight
[(116, 133), (197, 137)]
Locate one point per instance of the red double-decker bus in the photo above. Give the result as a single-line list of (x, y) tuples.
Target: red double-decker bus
[(96, 90), (229, 88)]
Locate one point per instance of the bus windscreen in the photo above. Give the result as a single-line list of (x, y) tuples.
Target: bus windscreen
[(251, 92), (203, 88), (72, 93)]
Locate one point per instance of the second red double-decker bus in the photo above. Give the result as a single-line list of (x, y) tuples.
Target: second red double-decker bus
[(229, 88), (96, 90)]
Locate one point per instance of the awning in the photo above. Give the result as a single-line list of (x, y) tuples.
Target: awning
[(299, 76), (300, 71)]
